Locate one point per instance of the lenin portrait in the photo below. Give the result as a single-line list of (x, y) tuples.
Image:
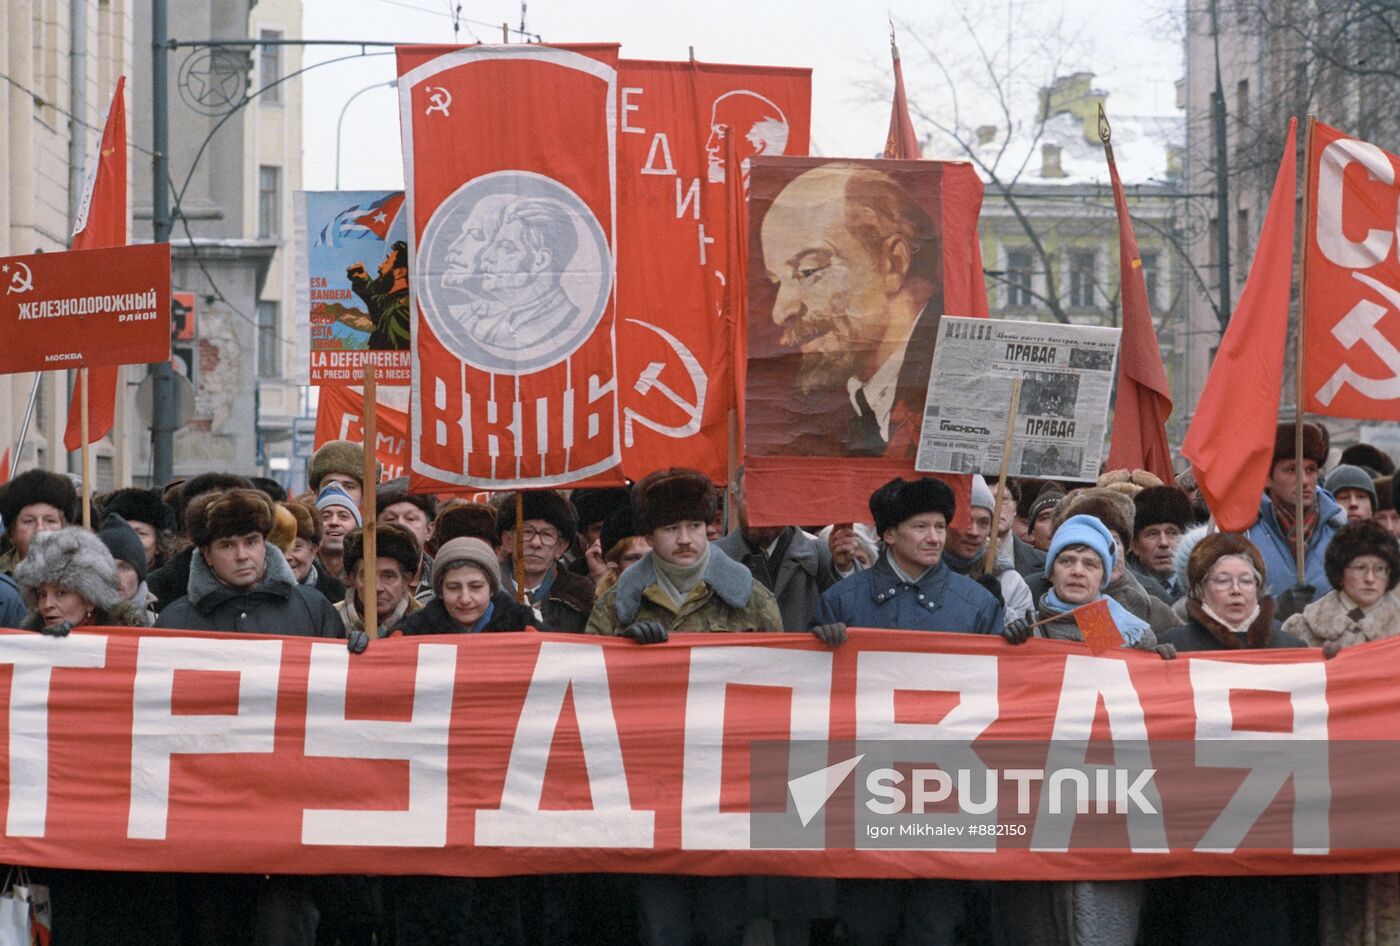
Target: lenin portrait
[(845, 295)]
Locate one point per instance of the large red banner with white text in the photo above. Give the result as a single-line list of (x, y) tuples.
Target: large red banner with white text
[(675, 335), (510, 166), (546, 753), (1351, 257)]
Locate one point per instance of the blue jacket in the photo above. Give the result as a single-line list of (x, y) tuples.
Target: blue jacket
[(941, 601), (1277, 548), (12, 609)]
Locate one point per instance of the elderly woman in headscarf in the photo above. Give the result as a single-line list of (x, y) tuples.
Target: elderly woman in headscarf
[(69, 579)]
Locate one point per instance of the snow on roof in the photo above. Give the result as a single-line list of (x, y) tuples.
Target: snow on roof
[(1141, 148)]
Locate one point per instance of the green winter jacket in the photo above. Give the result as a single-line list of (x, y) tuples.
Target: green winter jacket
[(726, 599)]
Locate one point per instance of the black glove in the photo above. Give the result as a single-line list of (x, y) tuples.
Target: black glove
[(993, 584), (356, 641), (832, 635), (646, 632), (1166, 651), (1331, 649), (1293, 601), (1016, 631), (60, 629)]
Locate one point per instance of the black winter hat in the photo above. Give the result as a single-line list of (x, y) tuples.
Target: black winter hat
[(902, 499), (1372, 458), (123, 542), (470, 520), (141, 505), (1316, 442), (543, 504), (1161, 505), (396, 491), (390, 541), (621, 524), (197, 486), (38, 486), (1355, 539), (596, 505), (675, 495), (274, 490)]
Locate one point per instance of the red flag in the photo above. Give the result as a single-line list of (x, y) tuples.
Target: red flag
[(1097, 626), (101, 222), (5, 467), (1351, 366), (338, 418), (1144, 399), (900, 142), (1231, 440)]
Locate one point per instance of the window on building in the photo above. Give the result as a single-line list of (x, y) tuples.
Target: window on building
[(1082, 266), (1149, 275), (1242, 238), (268, 366), (270, 68), (1241, 103), (269, 207), (1018, 279)]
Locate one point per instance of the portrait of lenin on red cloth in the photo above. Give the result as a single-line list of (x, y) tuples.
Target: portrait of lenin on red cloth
[(846, 288)]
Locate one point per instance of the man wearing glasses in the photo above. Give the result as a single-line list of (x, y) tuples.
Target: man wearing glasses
[(563, 599)]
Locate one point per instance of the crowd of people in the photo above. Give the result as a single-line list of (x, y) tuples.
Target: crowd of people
[(224, 552)]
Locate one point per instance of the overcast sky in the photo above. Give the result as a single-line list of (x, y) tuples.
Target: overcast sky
[(1134, 50)]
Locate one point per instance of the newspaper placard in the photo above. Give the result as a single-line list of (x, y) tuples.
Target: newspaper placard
[(1067, 374)]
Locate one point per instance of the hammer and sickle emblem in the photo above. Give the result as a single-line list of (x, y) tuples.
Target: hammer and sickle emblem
[(440, 99), (651, 378), (21, 280), (1359, 325)]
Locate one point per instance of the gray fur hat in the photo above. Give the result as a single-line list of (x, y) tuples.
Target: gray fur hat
[(1182, 557), (71, 558)]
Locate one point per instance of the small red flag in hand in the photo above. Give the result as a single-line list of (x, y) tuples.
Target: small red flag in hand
[(1097, 625)]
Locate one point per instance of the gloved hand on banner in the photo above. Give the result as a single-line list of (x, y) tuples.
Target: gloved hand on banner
[(646, 632), (1017, 631), (60, 629), (1293, 601), (356, 641), (1166, 651), (832, 635), (1331, 649)]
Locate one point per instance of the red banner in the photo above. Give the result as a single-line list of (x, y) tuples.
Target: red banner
[(512, 219), (107, 306), (674, 334), (1351, 260), (851, 265), (502, 754), (338, 418)]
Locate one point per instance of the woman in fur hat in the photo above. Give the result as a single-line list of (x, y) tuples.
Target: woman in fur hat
[(1227, 601), (69, 579), (1363, 565)]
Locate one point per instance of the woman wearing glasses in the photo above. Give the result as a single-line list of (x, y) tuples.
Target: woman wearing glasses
[(1228, 606), (1363, 565)]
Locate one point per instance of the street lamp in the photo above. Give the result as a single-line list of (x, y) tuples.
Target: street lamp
[(341, 120)]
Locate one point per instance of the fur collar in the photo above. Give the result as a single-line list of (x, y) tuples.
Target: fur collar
[(1329, 618), (727, 578), (206, 592), (1256, 636)]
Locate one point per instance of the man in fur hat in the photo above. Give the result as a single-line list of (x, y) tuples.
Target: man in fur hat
[(33, 502), (240, 583), (1161, 515), (398, 560), (172, 579), (338, 461), (563, 599), (1275, 531)]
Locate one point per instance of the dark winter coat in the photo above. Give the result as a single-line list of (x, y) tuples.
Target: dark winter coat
[(171, 580), (276, 605), (326, 583), (1201, 632), (942, 600), (433, 618), (1026, 559), (1150, 582), (567, 605), (802, 575)]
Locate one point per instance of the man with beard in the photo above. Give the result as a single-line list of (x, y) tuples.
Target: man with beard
[(856, 265), (387, 298)]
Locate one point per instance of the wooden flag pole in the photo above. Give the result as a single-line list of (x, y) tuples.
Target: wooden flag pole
[(85, 451), (731, 492), (369, 562), (989, 561), (518, 553), (1299, 541)]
